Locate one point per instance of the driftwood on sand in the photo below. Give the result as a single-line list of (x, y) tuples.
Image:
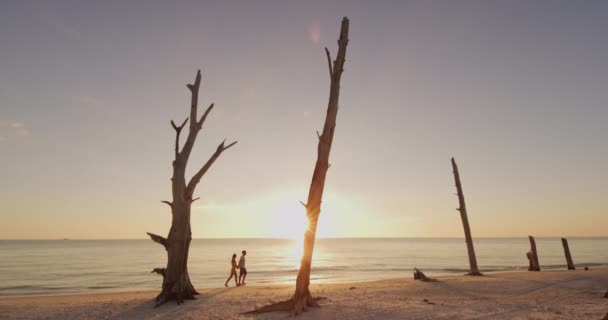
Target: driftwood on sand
[(419, 275)]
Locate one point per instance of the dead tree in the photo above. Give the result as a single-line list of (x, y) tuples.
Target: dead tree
[(176, 281), (535, 264), (302, 299), (474, 271), (567, 254)]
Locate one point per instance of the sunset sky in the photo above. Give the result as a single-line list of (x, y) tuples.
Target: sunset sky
[(516, 91)]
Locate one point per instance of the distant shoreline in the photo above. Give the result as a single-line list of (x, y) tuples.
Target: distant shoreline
[(329, 238)]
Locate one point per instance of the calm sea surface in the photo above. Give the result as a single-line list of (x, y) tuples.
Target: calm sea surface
[(76, 266)]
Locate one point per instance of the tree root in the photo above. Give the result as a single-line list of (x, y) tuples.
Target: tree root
[(287, 306), (419, 275), (163, 298), (167, 294), (474, 274)]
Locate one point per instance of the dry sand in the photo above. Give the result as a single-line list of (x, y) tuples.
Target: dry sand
[(518, 295)]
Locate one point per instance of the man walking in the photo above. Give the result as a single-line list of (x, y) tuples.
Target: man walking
[(242, 268)]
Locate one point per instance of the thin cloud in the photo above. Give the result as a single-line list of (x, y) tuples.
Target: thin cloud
[(12, 129), (19, 128)]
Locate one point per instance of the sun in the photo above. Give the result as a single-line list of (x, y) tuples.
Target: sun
[(288, 221)]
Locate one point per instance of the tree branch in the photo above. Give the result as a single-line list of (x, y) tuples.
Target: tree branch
[(204, 117), (178, 130), (160, 271), (195, 126), (195, 199), (169, 203), (194, 88), (199, 175), (331, 73), (304, 204), (158, 239)]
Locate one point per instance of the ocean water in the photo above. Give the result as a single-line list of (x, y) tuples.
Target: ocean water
[(77, 266)]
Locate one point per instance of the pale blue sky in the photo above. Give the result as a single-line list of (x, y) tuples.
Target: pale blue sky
[(517, 91)]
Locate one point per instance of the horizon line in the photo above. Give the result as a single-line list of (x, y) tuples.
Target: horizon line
[(286, 238)]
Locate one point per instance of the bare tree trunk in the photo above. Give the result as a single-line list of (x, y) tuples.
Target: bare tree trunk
[(302, 298), (567, 253), (176, 281), (535, 264), (474, 271)]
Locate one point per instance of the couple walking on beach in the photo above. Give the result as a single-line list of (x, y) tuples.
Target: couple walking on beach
[(240, 279)]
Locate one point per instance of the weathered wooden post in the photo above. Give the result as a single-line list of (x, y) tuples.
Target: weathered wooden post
[(567, 253), (535, 264)]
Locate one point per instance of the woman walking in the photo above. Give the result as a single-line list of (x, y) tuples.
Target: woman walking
[(233, 272)]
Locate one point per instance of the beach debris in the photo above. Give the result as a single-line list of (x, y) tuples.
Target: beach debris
[(419, 275), (427, 301), (567, 254), (352, 288), (533, 255), (473, 270), (302, 299), (176, 281), (586, 268)]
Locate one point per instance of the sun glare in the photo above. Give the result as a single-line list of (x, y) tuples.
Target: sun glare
[(289, 221)]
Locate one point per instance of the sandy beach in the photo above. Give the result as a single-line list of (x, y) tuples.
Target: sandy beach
[(516, 295)]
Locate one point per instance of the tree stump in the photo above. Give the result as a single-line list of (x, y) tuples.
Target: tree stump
[(567, 254), (530, 256), (535, 262)]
